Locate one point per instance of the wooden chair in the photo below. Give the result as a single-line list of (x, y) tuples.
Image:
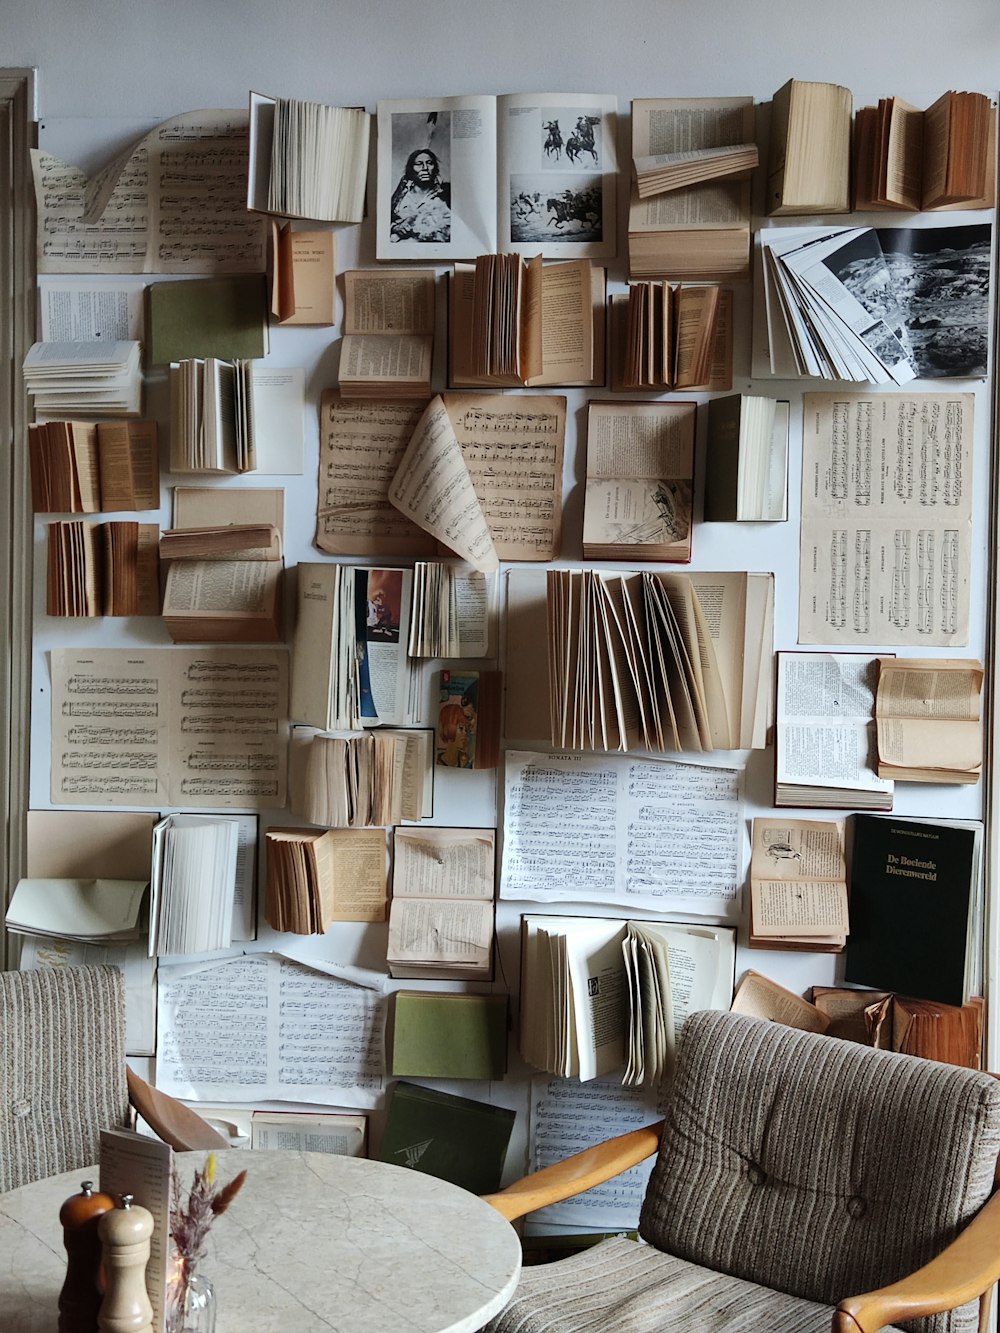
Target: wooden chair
[(63, 1076), (792, 1170)]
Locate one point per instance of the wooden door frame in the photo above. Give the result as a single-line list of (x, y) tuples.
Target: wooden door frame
[(18, 133)]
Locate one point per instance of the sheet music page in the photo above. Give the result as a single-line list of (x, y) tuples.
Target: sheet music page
[(263, 1027), (564, 1118), (433, 487), (886, 518), (513, 448), (362, 443), (633, 833), (169, 727), (175, 202)]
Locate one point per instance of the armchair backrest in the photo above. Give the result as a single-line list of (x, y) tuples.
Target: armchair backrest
[(815, 1166), (62, 1069)]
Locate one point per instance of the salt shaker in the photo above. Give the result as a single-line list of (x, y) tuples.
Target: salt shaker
[(125, 1234)]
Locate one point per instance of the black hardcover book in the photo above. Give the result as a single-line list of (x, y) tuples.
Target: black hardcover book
[(453, 1138), (911, 888)]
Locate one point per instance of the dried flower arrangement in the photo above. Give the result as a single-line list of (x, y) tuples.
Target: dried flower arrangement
[(191, 1221)]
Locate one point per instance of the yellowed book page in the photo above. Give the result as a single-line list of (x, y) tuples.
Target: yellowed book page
[(696, 309), (89, 844), (223, 589), (392, 302), (83, 446), (397, 358), (905, 156), (440, 930), (712, 206), (886, 531), (128, 464), (443, 863), (944, 744), (358, 868), (931, 688), (213, 506), (567, 324), (721, 604), (362, 443), (433, 488), (759, 997), (513, 449)]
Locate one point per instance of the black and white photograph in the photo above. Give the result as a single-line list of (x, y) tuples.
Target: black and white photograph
[(567, 209), (930, 286), (571, 139), (420, 207)]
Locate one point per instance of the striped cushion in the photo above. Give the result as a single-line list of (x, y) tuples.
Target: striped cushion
[(62, 1069), (815, 1166), (621, 1287)]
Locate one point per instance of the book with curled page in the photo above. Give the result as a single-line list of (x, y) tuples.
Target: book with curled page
[(928, 719), (223, 585)]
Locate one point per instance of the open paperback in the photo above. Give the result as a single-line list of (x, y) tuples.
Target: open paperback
[(798, 885), (441, 915), (928, 719)]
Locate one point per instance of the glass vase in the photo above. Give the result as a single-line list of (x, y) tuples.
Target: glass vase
[(190, 1303)]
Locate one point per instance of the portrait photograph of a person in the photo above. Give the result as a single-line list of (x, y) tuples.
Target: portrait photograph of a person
[(420, 209)]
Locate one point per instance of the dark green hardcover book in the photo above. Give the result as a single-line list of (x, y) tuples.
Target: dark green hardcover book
[(453, 1138), (912, 888), (223, 317), (434, 1034)]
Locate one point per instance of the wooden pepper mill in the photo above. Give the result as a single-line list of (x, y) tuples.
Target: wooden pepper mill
[(125, 1234), (80, 1298)]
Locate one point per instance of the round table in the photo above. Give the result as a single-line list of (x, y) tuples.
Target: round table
[(312, 1242)]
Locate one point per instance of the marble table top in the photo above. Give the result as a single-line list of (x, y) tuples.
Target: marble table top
[(312, 1242)]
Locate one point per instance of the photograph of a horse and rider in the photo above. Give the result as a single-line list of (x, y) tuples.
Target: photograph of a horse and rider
[(569, 207)]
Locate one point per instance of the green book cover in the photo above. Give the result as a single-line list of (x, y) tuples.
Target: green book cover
[(448, 1035), (223, 317), (453, 1138), (911, 888)]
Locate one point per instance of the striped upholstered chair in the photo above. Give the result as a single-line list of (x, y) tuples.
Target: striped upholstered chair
[(63, 1076), (793, 1171)]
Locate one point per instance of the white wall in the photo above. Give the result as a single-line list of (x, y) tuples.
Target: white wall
[(110, 67)]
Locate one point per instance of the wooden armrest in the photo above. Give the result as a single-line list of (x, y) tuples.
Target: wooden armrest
[(961, 1272), (577, 1173), (174, 1122)]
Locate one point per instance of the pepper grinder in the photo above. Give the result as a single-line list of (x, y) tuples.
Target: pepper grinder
[(125, 1234), (80, 1298)]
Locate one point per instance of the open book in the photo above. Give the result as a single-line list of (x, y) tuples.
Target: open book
[(307, 160), (944, 157), (388, 344), (520, 322), (453, 612), (81, 467), (95, 378), (928, 719), (700, 232), (223, 584), (639, 499), (102, 569), (349, 662), (825, 733), (659, 661), (362, 779), (531, 173), (315, 878), (441, 915), (193, 885), (235, 416), (798, 885), (597, 992), (809, 155), (667, 337)]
